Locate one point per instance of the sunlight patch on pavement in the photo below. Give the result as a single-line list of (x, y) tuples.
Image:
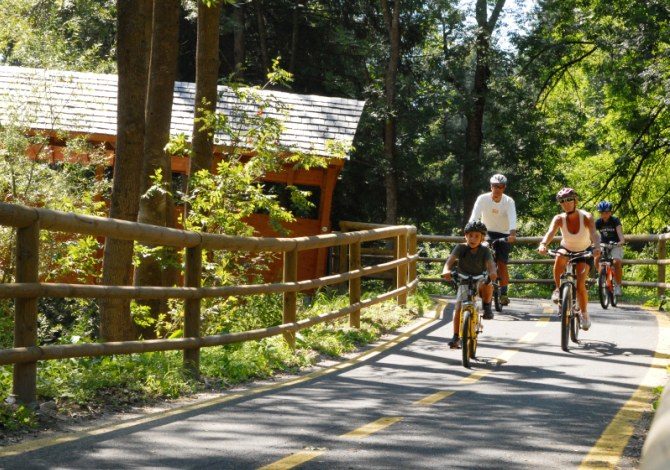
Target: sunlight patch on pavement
[(371, 428)]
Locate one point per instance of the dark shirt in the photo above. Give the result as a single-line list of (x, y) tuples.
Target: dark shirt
[(608, 229), (469, 262)]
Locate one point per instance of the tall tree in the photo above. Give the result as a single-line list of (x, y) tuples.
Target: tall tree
[(132, 60), (156, 203), (206, 77), (474, 136), (392, 22)]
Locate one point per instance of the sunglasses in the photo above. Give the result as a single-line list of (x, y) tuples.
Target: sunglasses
[(566, 199), (499, 186)]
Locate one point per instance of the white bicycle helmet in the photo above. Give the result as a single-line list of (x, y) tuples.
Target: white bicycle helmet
[(498, 179)]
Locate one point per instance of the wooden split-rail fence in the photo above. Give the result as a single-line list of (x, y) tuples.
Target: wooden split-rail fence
[(660, 240), (26, 289)]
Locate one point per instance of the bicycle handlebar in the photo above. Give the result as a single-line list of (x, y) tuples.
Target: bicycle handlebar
[(575, 255)]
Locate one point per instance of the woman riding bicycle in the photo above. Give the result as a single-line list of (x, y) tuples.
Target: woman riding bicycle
[(579, 234), (473, 258)]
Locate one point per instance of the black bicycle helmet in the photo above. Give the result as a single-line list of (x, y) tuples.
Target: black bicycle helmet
[(475, 226), (604, 206), (566, 193)]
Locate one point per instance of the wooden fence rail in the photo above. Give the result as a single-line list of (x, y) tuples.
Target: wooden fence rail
[(27, 289)]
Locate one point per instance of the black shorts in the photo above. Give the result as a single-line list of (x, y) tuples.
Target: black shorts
[(584, 259), (501, 248)]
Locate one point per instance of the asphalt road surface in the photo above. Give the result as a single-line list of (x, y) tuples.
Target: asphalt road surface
[(409, 403)]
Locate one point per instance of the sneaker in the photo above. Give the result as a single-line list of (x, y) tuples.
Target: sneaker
[(586, 324), (617, 290), (504, 300), (488, 313), (455, 342), (555, 296)]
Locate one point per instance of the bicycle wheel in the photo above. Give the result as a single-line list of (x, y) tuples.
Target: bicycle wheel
[(603, 291), (566, 308), (468, 337), (496, 298)]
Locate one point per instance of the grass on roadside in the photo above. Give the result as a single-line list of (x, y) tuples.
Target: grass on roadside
[(87, 386)]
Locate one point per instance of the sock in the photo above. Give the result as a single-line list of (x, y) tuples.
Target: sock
[(487, 305), (503, 290)]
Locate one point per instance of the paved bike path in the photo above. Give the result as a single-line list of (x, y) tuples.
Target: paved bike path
[(524, 404)]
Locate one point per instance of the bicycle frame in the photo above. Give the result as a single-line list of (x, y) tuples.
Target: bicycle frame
[(606, 280), (570, 319), (470, 324)]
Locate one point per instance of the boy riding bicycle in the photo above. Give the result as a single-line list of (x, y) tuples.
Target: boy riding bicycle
[(498, 212), (579, 234), (473, 258), (611, 231)]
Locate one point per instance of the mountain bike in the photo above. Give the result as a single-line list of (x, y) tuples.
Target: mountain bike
[(570, 318), (471, 321), (606, 282), (496, 285)]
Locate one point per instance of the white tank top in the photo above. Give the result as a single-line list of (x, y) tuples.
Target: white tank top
[(579, 241)]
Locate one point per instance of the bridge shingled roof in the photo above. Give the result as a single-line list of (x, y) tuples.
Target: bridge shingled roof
[(57, 100)]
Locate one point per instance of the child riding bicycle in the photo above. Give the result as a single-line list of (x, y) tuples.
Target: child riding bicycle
[(611, 231), (472, 258), (579, 234)]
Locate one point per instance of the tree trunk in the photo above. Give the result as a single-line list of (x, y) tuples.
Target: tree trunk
[(392, 20), (206, 76), (132, 54), (474, 136), (155, 205), (262, 36), (238, 38), (297, 7)]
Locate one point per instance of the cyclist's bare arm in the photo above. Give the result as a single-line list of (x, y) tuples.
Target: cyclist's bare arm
[(492, 270), (619, 231), (446, 271), (549, 236)]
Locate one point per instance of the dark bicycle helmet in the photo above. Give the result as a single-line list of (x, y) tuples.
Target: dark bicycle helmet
[(566, 193), (475, 226), (604, 206)]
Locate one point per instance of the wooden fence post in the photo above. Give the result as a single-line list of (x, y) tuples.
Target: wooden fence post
[(355, 284), (662, 254), (401, 271), (412, 252), (25, 312), (192, 278), (290, 298)]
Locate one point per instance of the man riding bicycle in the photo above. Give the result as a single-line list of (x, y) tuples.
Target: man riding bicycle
[(498, 212), (579, 233), (611, 231)]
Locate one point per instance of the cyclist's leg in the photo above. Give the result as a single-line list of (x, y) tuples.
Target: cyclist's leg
[(583, 270), (457, 318), (617, 256), (486, 292), (559, 268)]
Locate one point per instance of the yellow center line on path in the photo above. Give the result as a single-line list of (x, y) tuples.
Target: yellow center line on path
[(371, 428), (434, 398), (607, 451), (293, 460)]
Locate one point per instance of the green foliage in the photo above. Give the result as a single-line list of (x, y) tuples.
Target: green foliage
[(72, 35)]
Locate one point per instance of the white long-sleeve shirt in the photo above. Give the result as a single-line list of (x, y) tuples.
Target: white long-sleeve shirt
[(497, 216)]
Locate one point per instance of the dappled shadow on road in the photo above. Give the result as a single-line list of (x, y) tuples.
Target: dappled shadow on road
[(540, 412)]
